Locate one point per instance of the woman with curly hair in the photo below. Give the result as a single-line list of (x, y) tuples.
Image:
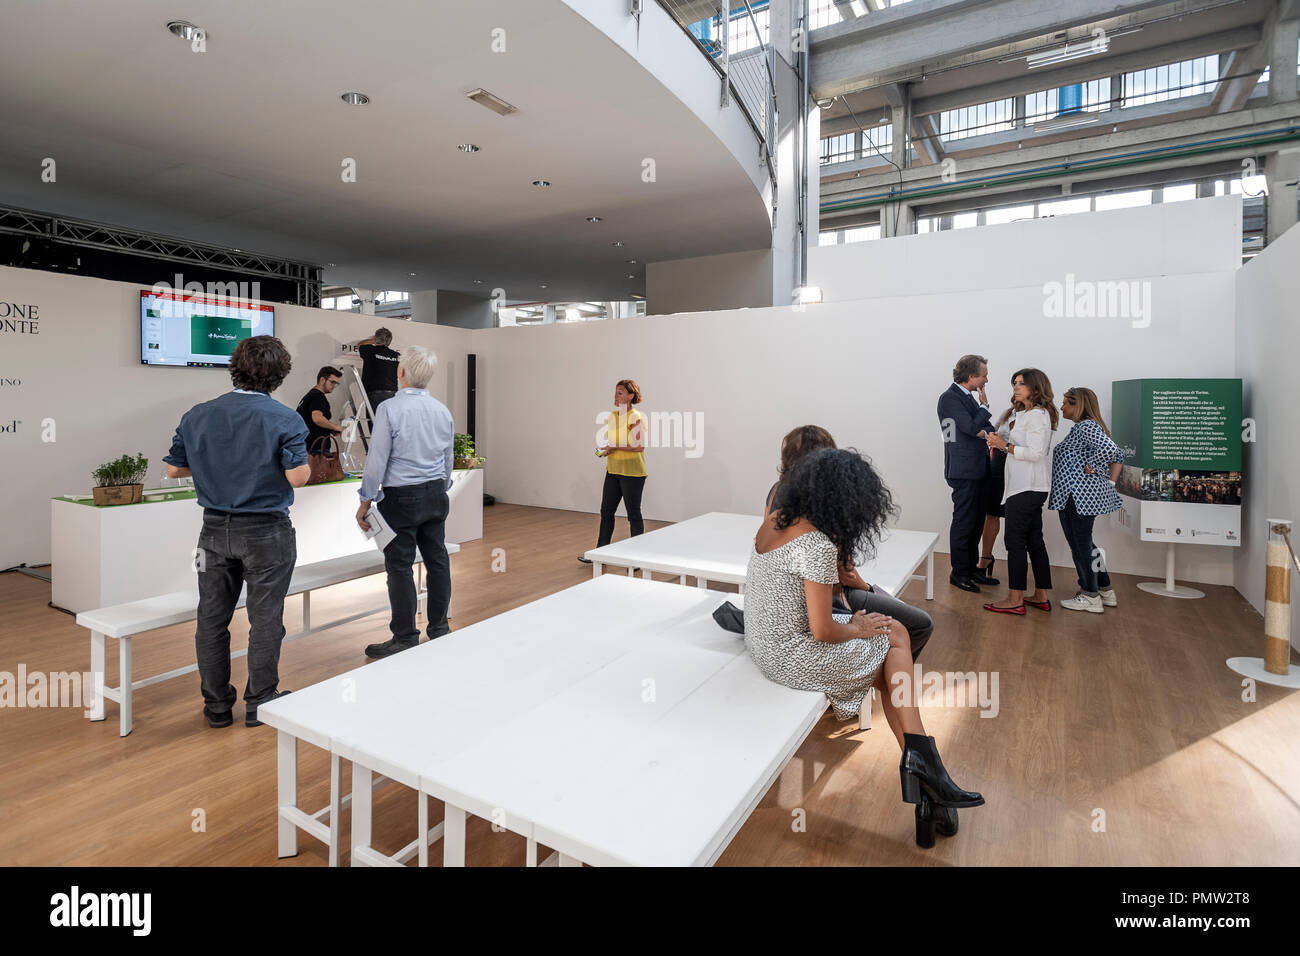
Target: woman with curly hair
[(851, 593), (828, 512)]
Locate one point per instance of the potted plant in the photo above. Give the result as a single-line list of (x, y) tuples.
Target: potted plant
[(120, 482), (463, 452)]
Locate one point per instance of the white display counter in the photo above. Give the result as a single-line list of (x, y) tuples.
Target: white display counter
[(110, 555)]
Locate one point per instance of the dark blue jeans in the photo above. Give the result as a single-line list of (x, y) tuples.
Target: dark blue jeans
[(254, 550), (417, 513), (1087, 558)]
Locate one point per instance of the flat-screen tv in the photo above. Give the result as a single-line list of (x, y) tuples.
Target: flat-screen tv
[(197, 331)]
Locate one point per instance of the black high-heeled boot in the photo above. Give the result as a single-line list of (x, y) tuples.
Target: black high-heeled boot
[(923, 773), (931, 819), (984, 575)]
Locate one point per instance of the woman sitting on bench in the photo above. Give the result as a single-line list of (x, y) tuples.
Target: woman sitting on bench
[(851, 592), (829, 509)]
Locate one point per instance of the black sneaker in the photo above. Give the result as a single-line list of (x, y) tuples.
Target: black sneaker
[(387, 649), (219, 720), (250, 713)]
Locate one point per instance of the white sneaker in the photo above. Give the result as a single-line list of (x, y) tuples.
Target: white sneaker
[(1084, 603), (1108, 597)]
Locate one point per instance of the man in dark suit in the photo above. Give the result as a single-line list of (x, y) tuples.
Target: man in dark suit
[(965, 420)]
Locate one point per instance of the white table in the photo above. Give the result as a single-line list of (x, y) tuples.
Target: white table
[(112, 555), (716, 547), (646, 743)]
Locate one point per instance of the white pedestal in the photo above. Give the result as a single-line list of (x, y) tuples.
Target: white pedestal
[(106, 556), (465, 519), (1167, 587), (1253, 667)]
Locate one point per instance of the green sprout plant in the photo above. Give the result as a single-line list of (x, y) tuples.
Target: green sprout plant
[(462, 450), (123, 471)]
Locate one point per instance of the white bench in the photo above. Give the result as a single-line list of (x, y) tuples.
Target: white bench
[(716, 547), (649, 742), (124, 621)]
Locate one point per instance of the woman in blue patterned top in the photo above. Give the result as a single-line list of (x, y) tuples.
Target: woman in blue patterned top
[(1084, 471)]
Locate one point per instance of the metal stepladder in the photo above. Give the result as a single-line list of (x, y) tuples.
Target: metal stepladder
[(364, 414)]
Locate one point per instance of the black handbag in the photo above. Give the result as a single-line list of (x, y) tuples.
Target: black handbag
[(730, 618)]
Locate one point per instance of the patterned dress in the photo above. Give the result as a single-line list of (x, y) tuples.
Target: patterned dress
[(777, 634)]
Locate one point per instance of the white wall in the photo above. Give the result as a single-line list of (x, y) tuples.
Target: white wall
[(1268, 340), (83, 371), (733, 280), (870, 370), (1202, 235)]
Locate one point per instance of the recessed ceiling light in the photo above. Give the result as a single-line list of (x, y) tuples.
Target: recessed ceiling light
[(631, 275), (467, 148), (540, 182), (631, 262), (410, 273), (593, 219), (330, 264), (617, 243), (478, 281), (495, 103), (541, 285), (355, 99), (184, 29)]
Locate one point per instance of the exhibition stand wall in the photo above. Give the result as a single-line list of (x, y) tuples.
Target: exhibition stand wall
[(869, 369), (73, 393), (1268, 341), (107, 556)]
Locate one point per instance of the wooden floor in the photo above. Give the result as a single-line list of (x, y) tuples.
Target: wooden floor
[(1120, 738)]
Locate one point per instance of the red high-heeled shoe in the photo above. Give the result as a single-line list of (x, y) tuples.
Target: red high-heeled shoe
[(1041, 605)]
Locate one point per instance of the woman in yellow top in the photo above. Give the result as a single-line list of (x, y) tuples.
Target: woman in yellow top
[(624, 454)]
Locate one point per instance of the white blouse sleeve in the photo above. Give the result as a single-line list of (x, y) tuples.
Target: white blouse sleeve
[(1033, 435)]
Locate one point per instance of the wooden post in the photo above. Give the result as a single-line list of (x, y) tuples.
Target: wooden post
[(1277, 599)]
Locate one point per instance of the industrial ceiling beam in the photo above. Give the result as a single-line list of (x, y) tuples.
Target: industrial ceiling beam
[(902, 41)]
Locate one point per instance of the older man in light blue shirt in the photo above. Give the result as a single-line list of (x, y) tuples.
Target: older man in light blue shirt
[(408, 472)]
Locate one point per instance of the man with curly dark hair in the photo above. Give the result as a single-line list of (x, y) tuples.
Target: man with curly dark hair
[(828, 512), (246, 453)]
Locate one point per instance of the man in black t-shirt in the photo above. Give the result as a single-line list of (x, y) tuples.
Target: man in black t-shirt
[(315, 410), (378, 367)]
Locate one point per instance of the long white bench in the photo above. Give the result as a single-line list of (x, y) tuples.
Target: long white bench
[(716, 547), (613, 721), (124, 621)]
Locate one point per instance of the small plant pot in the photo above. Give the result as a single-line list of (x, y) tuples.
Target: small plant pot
[(117, 494), (468, 462)]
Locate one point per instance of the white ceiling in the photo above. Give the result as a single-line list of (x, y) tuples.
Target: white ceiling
[(242, 145)]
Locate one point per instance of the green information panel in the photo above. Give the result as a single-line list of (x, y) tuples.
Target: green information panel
[(214, 335), (1182, 444)]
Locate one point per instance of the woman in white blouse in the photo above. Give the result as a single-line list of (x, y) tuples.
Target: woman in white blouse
[(1026, 437)]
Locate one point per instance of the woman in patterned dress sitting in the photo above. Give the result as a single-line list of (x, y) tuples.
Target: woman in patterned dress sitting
[(827, 513)]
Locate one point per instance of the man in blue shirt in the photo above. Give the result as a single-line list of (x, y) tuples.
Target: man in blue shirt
[(246, 453), (410, 458)]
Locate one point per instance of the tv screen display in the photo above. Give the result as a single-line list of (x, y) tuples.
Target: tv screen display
[(197, 331)]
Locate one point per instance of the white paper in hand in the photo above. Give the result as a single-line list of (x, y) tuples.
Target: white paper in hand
[(380, 533)]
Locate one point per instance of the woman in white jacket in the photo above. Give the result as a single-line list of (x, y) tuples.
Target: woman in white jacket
[(1026, 437)]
